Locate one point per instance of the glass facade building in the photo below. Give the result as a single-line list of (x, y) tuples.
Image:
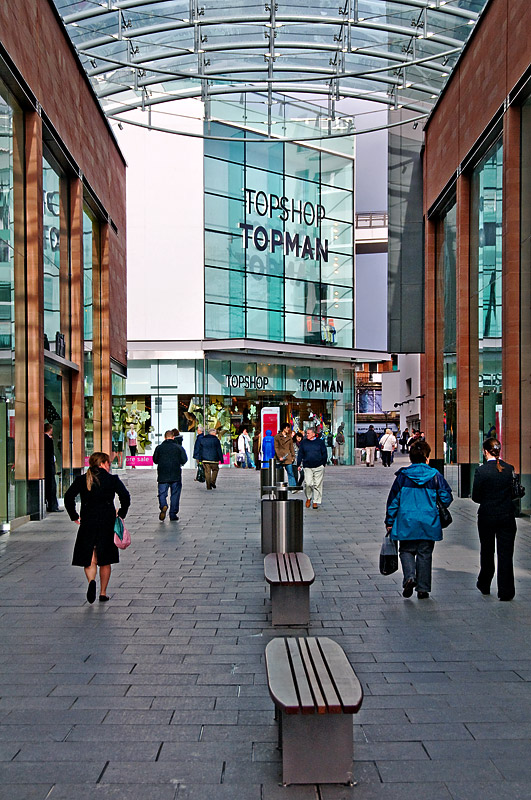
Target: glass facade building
[(279, 241)]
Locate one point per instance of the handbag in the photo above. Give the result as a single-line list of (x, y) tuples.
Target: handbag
[(444, 514), (200, 474), (240, 458), (122, 537), (388, 556), (517, 490)]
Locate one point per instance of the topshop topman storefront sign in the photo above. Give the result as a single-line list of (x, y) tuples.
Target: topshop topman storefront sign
[(306, 384), (289, 210)]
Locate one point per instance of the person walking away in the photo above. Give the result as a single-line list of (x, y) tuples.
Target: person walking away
[(492, 489), (340, 446), (285, 452), (244, 449), (177, 437), (199, 436), (50, 484), (387, 445), (169, 458), (403, 440), (132, 442), (312, 456), (371, 443), (256, 449), (210, 453), (412, 518), (94, 545), (330, 447)]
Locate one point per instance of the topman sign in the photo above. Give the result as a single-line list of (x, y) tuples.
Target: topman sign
[(288, 210)]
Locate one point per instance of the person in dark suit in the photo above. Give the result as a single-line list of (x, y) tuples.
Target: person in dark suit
[(496, 523), (50, 485), (94, 545)]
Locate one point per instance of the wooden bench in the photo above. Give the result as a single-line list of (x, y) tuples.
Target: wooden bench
[(315, 692), (290, 576)]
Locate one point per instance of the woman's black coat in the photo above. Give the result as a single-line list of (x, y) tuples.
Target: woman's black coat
[(98, 514)]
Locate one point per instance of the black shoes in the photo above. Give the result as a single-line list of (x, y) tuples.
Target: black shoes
[(162, 515), (91, 591), (483, 591), (408, 587), (174, 519), (103, 598), (423, 595)]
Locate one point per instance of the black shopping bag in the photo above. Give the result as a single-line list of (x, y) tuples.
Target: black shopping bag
[(388, 556)]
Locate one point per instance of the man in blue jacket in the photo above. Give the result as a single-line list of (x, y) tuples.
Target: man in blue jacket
[(210, 453), (312, 455), (169, 458)]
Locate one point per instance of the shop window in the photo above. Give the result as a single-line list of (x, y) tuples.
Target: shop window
[(264, 291), (224, 177), (224, 286), (264, 324), (224, 250), (224, 321), (265, 155)]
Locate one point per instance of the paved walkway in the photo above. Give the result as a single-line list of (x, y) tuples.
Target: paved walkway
[(160, 694)]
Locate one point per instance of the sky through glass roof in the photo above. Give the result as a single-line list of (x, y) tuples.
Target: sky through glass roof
[(282, 64)]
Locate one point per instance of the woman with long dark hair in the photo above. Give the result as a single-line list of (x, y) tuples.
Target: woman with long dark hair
[(492, 489), (94, 545)]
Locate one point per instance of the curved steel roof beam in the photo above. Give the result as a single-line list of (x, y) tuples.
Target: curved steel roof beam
[(132, 34), (125, 5), (262, 88), (141, 63)]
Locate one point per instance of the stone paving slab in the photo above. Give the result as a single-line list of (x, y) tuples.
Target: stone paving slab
[(161, 693)]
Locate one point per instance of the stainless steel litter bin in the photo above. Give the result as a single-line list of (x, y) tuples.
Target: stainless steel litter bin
[(282, 523)]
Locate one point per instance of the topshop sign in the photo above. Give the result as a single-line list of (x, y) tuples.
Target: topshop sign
[(289, 210), (305, 384)]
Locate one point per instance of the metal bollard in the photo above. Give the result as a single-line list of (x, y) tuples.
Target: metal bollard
[(270, 476), (282, 522)]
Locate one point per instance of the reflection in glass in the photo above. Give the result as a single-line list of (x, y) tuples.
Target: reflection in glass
[(486, 259), (446, 246), (51, 251)]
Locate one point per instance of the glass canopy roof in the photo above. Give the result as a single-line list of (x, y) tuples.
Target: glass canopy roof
[(294, 69)]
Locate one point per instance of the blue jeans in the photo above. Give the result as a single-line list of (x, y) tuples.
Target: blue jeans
[(248, 461), (292, 480), (175, 496), (415, 556)]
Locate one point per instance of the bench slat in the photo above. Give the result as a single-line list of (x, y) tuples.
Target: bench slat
[(280, 677), (333, 702), (309, 702), (288, 568), (283, 574), (344, 678), (321, 705)]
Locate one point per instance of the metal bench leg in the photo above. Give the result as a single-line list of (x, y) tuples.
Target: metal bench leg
[(290, 605), (317, 748)]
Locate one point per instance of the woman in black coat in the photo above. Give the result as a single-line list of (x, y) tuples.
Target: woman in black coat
[(94, 545), (492, 489)]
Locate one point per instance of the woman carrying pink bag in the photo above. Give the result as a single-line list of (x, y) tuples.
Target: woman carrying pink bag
[(95, 545)]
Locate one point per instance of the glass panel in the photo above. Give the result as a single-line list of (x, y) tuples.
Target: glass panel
[(265, 292), (525, 305), (52, 252), (302, 162), (119, 417), (224, 286), (302, 297), (222, 177), (264, 324), (223, 321), (335, 173), (222, 250), (338, 203), (336, 301), (88, 244), (446, 243), (339, 234), (266, 155), (230, 151), (222, 213), (339, 269), (486, 258), (89, 403)]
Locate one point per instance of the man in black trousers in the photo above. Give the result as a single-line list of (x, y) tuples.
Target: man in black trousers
[(50, 485)]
